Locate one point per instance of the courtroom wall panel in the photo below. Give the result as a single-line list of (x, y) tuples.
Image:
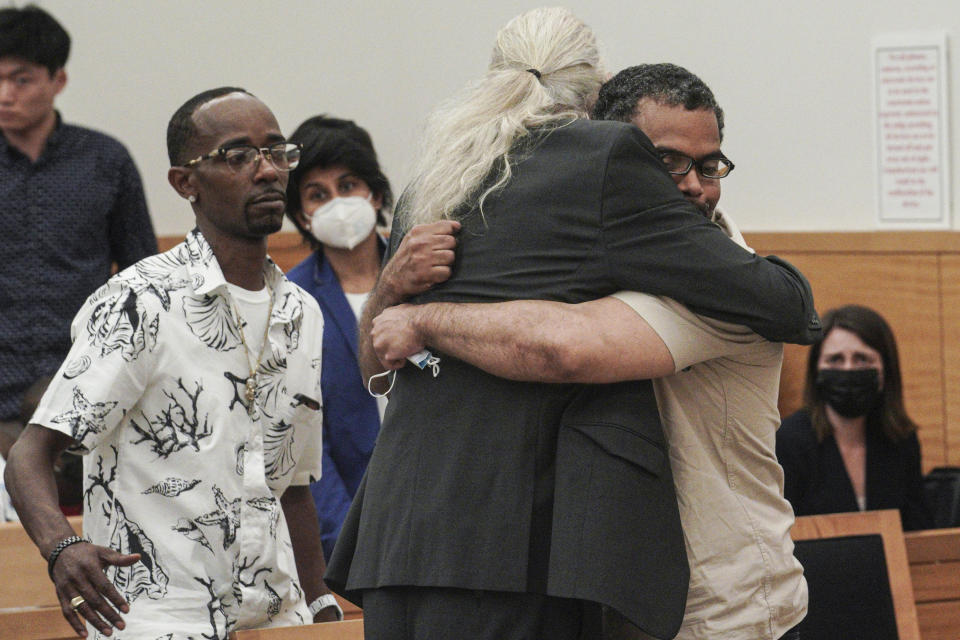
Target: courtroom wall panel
[(950, 277)]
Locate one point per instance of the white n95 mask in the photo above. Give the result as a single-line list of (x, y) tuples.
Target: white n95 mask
[(343, 222)]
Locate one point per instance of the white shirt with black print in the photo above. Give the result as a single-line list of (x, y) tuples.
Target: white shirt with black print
[(176, 469)]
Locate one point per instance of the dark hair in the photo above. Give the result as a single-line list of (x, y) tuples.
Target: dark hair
[(182, 128), (664, 83), (328, 142), (890, 416), (34, 35)]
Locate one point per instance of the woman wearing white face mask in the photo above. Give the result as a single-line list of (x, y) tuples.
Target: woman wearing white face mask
[(337, 197)]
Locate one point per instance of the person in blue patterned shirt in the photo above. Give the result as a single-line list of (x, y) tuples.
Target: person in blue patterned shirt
[(71, 205)]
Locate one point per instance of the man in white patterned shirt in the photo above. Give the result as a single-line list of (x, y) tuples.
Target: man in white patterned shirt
[(193, 388)]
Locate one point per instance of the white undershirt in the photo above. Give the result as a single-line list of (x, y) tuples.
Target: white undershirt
[(253, 307), (356, 302)]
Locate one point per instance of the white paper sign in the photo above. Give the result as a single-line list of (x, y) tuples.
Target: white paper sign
[(912, 125)]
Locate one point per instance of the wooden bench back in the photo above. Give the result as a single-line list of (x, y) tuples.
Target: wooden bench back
[(25, 583), (346, 630), (29, 609), (43, 623), (886, 523), (935, 571)]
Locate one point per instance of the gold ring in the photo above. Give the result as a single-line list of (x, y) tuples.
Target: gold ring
[(76, 601)]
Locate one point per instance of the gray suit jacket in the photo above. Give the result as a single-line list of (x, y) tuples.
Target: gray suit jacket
[(483, 483)]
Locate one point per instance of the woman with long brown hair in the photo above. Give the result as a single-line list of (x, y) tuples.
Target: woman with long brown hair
[(853, 447)]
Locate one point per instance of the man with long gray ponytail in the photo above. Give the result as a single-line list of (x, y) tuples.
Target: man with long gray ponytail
[(716, 386), (501, 509)]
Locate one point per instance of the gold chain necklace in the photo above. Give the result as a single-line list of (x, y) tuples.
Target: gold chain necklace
[(251, 383)]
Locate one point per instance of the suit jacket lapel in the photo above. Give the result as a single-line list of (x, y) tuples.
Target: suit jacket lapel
[(331, 298)]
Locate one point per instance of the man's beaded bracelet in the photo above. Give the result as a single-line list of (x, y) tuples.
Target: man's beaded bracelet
[(57, 550)]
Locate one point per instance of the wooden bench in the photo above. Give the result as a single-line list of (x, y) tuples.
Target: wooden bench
[(346, 630), (350, 610), (934, 557), (19, 557), (34, 623), (885, 523), (29, 609)]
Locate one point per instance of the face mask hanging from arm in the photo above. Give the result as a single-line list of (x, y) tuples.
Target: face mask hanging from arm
[(422, 359)]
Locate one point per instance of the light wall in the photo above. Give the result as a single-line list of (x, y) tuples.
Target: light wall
[(794, 79)]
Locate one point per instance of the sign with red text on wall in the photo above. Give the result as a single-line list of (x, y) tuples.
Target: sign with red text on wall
[(912, 125)]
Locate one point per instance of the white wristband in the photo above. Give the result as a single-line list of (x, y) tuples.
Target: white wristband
[(325, 602)]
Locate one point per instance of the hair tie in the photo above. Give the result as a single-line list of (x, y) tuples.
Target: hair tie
[(535, 72)]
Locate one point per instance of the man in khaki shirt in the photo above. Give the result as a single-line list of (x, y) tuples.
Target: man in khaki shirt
[(716, 389)]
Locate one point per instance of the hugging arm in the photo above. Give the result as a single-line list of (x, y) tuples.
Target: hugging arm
[(536, 340), (422, 260)]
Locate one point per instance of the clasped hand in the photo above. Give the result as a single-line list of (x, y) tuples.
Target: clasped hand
[(423, 259)]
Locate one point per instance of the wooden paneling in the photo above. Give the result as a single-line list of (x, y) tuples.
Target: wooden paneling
[(287, 248), (939, 620), (935, 572), (858, 241), (933, 545), (29, 609), (936, 581), (913, 280), (950, 274)]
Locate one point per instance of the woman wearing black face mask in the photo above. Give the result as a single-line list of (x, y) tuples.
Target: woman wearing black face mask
[(853, 447)]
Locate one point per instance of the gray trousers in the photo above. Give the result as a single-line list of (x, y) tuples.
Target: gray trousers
[(436, 613)]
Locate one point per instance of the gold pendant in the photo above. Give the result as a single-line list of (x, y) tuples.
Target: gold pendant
[(251, 394)]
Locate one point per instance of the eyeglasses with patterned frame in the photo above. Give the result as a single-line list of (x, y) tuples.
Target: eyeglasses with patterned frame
[(713, 167), (283, 156)]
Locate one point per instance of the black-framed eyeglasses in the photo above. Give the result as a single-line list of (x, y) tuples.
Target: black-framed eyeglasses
[(713, 167), (284, 156)]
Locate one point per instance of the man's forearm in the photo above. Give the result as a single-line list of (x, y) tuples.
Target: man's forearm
[(366, 356), (536, 340), (422, 260), (301, 516), (511, 340), (33, 489)]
